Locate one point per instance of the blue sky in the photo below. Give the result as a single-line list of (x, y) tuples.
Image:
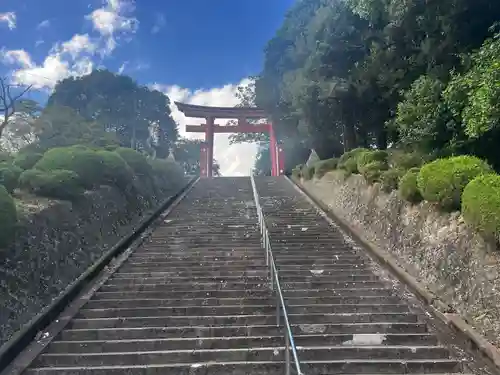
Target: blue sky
[(197, 51)]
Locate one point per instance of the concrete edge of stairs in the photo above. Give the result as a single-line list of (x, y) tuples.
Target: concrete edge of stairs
[(471, 340)]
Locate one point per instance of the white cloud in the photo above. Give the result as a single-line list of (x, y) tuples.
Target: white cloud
[(159, 23), (19, 57), (69, 58), (9, 18), (39, 42), (43, 24), (113, 20), (235, 159)]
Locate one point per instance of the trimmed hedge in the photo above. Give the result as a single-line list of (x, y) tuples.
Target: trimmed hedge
[(9, 176), (8, 217), (390, 179), (58, 184), (166, 170), (93, 167), (373, 171), (405, 161), (308, 172), (324, 166), (137, 161), (408, 188), (481, 205), (5, 157), (367, 157), (27, 161), (349, 160), (443, 180)]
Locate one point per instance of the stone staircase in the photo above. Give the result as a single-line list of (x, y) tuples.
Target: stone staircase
[(192, 300), (345, 318)]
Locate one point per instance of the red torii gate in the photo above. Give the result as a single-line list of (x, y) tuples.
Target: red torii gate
[(242, 114)]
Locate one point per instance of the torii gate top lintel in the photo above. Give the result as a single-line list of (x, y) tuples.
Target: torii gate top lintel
[(242, 114), (192, 110)]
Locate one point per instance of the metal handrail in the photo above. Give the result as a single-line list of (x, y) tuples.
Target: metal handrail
[(276, 287)]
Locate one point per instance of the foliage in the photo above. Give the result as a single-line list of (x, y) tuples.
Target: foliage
[(474, 96), (408, 187), (443, 181), (128, 110), (5, 157), (9, 175), (367, 157), (8, 217), (373, 171), (390, 179), (187, 154), (58, 184), (405, 160), (137, 161), (481, 205), (166, 170), (27, 160), (325, 166), (93, 167)]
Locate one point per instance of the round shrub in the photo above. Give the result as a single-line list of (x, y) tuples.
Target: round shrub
[(8, 217), (165, 171), (137, 161), (367, 157), (481, 205), (325, 166), (296, 172), (9, 176), (93, 167), (27, 161), (408, 189), (58, 184), (373, 171), (390, 179), (443, 180), (351, 155), (405, 160), (351, 166), (115, 170)]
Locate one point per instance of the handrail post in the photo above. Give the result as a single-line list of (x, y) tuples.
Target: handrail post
[(287, 354)]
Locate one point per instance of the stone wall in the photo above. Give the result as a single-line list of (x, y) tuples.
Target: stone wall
[(55, 243), (438, 249)]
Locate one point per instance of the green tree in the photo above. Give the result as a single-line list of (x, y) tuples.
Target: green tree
[(131, 111)]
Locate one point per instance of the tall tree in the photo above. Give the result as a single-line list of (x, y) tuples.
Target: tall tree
[(10, 100), (124, 107)]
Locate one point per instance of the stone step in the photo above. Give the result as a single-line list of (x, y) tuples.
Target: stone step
[(185, 263), (229, 342), (374, 367), (156, 357), (316, 283), (172, 320), (197, 269), (160, 302), (238, 310), (187, 273)]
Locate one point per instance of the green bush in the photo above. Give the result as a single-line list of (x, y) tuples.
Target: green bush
[(9, 176), (373, 171), (367, 157), (325, 166), (443, 180), (8, 217), (408, 188), (27, 161), (405, 161), (167, 170), (481, 205), (349, 160), (93, 167), (59, 184), (296, 172), (137, 161), (390, 179)]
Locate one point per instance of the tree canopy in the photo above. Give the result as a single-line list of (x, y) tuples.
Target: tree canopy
[(376, 73), (140, 117)]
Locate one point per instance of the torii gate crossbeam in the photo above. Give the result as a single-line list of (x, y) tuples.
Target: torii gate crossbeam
[(242, 114)]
